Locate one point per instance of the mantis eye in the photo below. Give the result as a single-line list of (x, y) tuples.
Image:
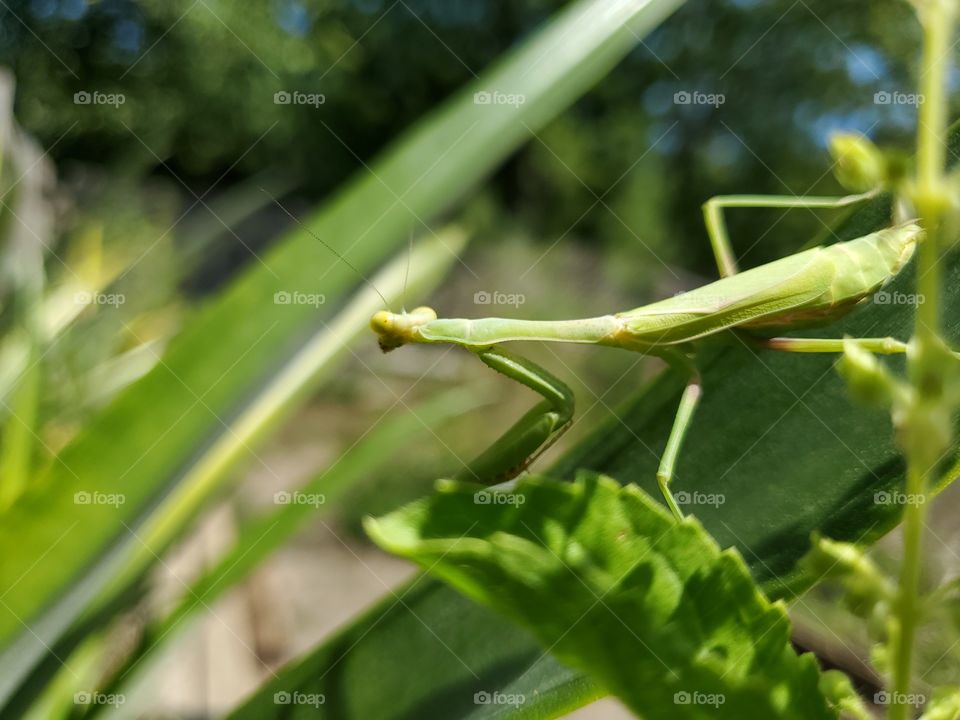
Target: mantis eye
[(390, 332), (382, 322)]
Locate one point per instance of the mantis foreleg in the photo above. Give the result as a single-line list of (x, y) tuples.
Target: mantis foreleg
[(536, 431), (717, 228)]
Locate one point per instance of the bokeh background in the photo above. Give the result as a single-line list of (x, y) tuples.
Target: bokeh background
[(153, 191)]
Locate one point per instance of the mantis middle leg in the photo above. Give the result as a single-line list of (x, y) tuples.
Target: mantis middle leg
[(694, 391)]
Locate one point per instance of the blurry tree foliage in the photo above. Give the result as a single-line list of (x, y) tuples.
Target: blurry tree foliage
[(199, 78)]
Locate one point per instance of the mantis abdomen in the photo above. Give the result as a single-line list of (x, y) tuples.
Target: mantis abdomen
[(811, 287)]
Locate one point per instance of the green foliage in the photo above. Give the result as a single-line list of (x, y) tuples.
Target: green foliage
[(160, 449), (221, 111), (816, 461), (868, 592), (944, 705), (838, 689), (268, 531), (613, 586)]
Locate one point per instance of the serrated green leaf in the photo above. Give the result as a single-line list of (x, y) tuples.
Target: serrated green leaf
[(944, 705), (609, 583)]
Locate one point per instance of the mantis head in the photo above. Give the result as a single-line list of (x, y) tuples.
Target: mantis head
[(394, 330)]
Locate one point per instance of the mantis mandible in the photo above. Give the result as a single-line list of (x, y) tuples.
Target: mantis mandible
[(810, 288)]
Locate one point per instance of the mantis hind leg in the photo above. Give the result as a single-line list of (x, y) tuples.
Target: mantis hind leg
[(684, 418), (533, 433), (717, 228), (882, 345)]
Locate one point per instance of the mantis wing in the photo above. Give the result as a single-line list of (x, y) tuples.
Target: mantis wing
[(811, 287)]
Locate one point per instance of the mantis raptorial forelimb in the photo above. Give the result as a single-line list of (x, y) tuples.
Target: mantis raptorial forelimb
[(815, 286), (533, 433)]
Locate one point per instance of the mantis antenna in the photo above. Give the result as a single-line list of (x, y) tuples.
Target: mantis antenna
[(338, 255), (406, 274)]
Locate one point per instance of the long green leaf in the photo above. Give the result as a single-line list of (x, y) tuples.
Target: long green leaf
[(113, 582), (259, 537)]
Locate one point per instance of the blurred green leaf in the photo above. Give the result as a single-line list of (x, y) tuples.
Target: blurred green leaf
[(259, 537), (116, 576)]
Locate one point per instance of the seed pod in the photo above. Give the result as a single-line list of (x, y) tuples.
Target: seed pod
[(868, 380), (860, 164)]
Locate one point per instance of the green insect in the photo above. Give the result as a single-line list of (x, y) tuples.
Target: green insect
[(812, 287)]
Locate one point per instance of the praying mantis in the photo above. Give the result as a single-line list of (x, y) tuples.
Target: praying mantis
[(810, 288)]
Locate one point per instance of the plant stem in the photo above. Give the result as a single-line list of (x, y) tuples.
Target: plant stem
[(928, 198)]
